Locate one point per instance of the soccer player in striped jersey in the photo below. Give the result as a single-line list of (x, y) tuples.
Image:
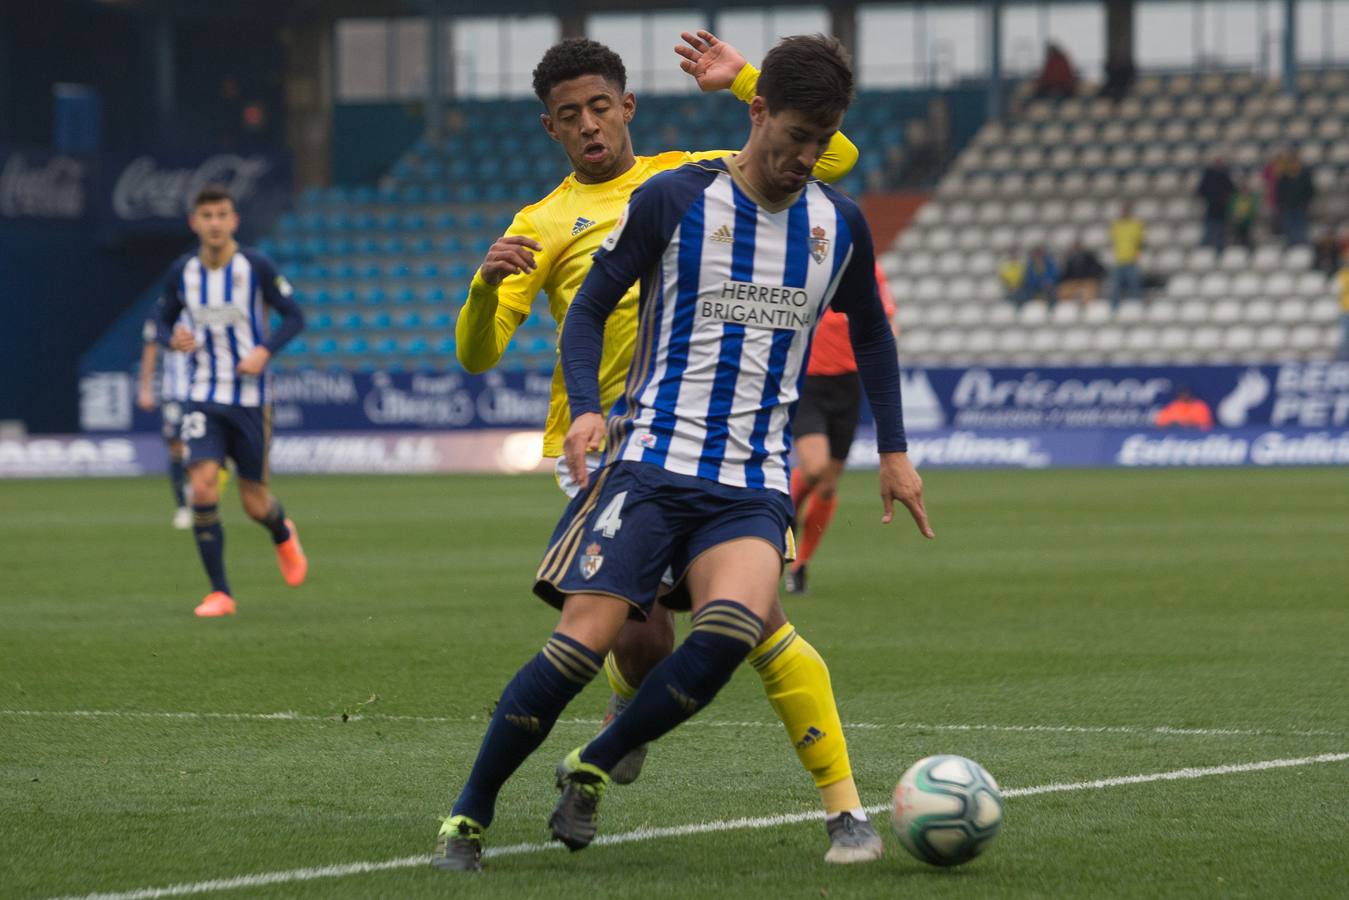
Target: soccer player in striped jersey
[(171, 397), (736, 260), (215, 308), (548, 248), (822, 432)]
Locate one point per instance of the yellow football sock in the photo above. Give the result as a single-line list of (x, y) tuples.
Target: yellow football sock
[(796, 680), (616, 680)]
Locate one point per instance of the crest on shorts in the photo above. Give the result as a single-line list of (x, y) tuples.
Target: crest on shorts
[(591, 562), (819, 243)]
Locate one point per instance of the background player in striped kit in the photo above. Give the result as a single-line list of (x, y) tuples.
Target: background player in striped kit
[(695, 471), (826, 420), (548, 248), (171, 397), (215, 307)]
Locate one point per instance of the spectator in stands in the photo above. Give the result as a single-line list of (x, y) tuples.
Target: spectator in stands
[(1329, 255), (1082, 274), (1012, 272), (1126, 239), (1295, 198), (1041, 279), (1245, 202), (1057, 78), (1270, 175), (1185, 411), (1343, 278), (1119, 79), (1216, 188)]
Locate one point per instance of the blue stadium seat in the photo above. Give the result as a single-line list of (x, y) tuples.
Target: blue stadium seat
[(374, 297), (322, 297), (450, 244), (342, 246), (327, 346), (416, 346), (289, 223), (397, 270), (468, 192), (315, 246), (312, 196), (319, 321), (540, 345), (389, 222), (412, 194), (410, 319), (367, 246), (371, 271), (344, 271), (346, 296), (404, 296), (355, 345), (423, 246), (429, 270), (297, 346), (267, 247), (442, 320), (414, 222), (363, 194), (474, 220), (351, 322), (446, 221), (438, 193), (434, 295), (391, 246), (387, 346), (380, 319), (446, 346)]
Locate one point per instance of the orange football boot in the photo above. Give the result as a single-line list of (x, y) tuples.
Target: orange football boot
[(217, 603), (290, 557)]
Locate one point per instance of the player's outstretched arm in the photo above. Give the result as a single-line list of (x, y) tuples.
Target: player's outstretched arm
[(717, 65), (485, 325)]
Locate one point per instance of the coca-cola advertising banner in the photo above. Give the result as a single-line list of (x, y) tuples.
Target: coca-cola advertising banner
[(38, 185), (138, 192)]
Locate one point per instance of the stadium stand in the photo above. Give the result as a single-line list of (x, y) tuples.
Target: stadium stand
[(1060, 170), (382, 270)]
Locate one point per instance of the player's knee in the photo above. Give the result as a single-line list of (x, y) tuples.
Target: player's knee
[(205, 488), (826, 489), (641, 646)]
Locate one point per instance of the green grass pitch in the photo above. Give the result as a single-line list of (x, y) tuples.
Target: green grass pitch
[(1064, 627)]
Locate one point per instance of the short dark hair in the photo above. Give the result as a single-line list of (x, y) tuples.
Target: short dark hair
[(573, 58), (211, 193), (809, 73)]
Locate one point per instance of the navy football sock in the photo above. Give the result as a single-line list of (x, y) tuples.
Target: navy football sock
[(275, 522), (724, 632), (211, 544), (524, 715), (177, 477)]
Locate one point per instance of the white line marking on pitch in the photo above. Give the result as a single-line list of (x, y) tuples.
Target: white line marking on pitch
[(290, 716), (264, 879)]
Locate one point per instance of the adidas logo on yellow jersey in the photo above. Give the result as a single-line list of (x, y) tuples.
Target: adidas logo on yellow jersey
[(582, 223)]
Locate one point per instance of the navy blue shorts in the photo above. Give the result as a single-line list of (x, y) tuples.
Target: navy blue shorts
[(241, 433), (636, 519)]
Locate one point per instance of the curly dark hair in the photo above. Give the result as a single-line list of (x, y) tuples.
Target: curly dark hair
[(809, 73), (573, 58)]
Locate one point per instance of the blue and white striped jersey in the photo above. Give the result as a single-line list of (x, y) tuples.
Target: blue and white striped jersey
[(228, 310), (732, 290), (174, 367)]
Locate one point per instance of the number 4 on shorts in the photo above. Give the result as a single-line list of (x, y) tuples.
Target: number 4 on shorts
[(611, 519)]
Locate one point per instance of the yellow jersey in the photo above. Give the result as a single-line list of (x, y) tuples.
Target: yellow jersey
[(1127, 237), (570, 224)]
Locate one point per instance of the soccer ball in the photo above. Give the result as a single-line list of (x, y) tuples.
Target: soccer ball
[(947, 810)]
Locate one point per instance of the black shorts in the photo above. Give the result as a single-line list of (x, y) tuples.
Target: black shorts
[(830, 405)]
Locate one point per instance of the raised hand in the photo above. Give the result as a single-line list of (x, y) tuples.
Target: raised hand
[(712, 63)]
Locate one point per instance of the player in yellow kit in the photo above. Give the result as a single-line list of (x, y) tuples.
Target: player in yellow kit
[(548, 248)]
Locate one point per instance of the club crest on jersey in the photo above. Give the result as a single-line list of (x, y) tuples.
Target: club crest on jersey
[(582, 223), (819, 243), (591, 562)]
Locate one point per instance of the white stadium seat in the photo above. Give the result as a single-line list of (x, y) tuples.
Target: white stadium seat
[(1291, 311), (1239, 339), (1311, 284), (1272, 338), (1226, 312), (1247, 284), (1162, 312), (1266, 258), (1235, 258), (1260, 311), (1214, 285), (1195, 311)]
